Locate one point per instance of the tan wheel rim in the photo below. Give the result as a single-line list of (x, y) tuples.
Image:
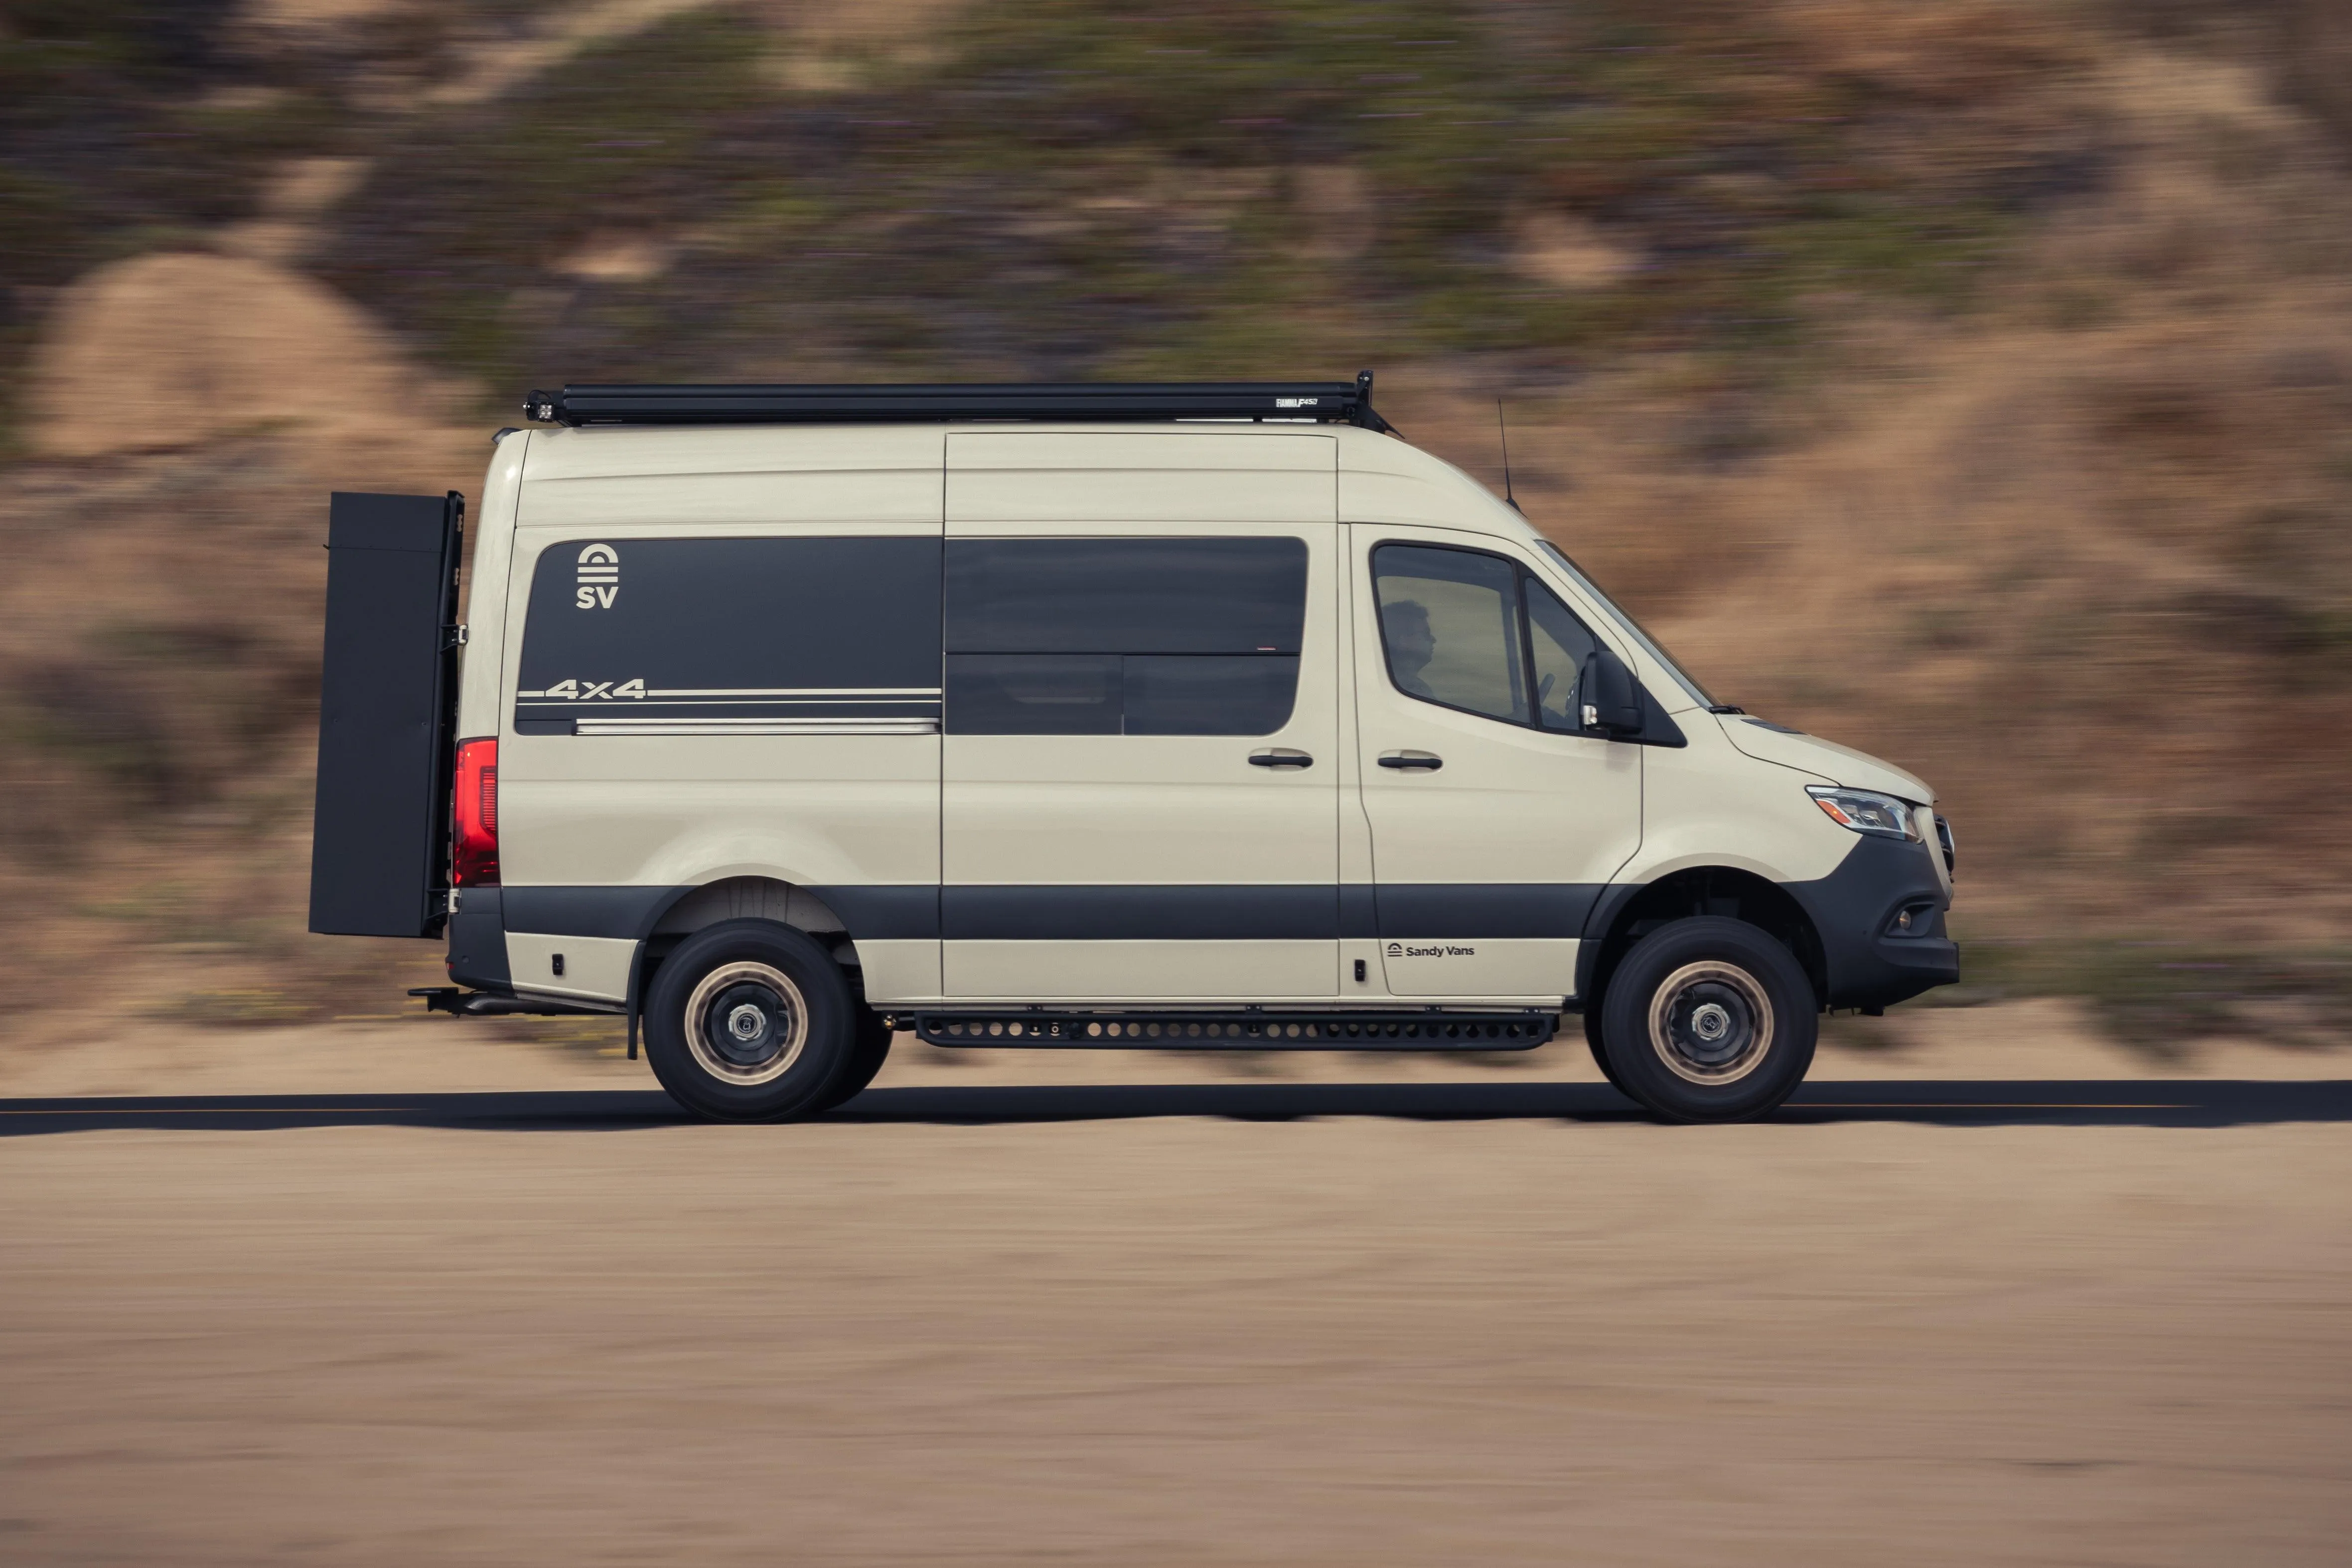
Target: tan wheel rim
[(1711, 1023), (746, 1024)]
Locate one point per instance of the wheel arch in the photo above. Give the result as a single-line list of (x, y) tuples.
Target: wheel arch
[(741, 898), (1627, 913), (747, 897)]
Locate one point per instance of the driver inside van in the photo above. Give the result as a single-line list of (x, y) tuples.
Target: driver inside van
[(1411, 645)]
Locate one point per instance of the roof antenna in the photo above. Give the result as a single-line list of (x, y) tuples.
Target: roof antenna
[(1504, 429)]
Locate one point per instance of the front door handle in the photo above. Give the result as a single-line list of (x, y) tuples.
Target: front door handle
[(1280, 757), (1427, 761)]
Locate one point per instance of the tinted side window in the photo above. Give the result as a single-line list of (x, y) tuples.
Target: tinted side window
[(1034, 694), (1450, 623), (732, 636), (1125, 596), (1144, 636)]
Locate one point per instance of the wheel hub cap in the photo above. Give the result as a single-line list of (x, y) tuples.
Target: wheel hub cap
[(746, 1023), (1711, 1023)]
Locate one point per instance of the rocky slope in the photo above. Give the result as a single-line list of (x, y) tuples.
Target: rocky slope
[(1970, 382)]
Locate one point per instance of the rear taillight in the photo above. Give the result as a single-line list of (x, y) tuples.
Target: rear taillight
[(474, 857)]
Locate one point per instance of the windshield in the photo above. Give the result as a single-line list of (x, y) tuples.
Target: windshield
[(1632, 627)]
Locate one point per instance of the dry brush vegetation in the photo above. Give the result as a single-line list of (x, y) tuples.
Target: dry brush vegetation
[(1969, 381)]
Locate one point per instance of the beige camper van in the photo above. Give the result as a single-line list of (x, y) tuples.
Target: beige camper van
[(781, 719)]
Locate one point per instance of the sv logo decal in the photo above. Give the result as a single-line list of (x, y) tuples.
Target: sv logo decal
[(599, 578)]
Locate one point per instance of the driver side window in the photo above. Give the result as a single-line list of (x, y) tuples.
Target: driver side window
[(1450, 620), (1467, 629)]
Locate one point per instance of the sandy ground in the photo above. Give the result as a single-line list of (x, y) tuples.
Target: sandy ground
[(1346, 1341)]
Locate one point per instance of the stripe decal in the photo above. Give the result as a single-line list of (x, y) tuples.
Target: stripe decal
[(746, 693), (894, 693), (755, 726), (752, 711), (1269, 913)]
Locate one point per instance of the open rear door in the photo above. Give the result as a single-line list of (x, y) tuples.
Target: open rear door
[(387, 700)]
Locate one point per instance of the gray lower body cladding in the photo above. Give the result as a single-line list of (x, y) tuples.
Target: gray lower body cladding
[(1456, 912), (1870, 963), (478, 941)]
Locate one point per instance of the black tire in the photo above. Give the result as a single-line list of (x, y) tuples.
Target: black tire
[(749, 1021), (1709, 1019), (1600, 1054), (867, 1053)]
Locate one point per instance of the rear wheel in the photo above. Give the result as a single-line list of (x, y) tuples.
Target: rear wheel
[(750, 1021), (1708, 1020)]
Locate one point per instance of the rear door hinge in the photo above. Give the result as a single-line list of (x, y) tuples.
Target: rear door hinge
[(452, 637)]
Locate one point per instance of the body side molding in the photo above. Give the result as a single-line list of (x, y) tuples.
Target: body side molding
[(1245, 912)]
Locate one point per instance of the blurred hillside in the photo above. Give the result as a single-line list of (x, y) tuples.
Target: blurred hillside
[(1969, 383)]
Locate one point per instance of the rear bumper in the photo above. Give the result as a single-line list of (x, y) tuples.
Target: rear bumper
[(1870, 963), (478, 941)]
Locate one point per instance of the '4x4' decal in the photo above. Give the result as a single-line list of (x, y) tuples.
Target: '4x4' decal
[(590, 691)]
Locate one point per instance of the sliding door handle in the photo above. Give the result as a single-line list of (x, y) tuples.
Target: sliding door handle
[(1427, 761), (1280, 757)]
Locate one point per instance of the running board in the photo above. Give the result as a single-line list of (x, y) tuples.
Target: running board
[(1424, 1030)]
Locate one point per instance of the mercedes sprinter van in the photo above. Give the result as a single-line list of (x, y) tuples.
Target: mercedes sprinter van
[(783, 718)]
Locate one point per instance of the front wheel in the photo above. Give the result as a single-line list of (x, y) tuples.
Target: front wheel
[(749, 1020), (1601, 1051), (1709, 1019)]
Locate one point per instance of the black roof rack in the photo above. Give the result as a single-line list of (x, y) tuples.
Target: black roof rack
[(1350, 401)]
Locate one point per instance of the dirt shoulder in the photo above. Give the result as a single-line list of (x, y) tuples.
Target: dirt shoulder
[(1349, 1340)]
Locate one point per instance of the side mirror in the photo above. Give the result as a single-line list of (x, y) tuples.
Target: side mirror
[(1611, 697)]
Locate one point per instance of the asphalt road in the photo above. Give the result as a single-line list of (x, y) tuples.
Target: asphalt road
[(2152, 1103)]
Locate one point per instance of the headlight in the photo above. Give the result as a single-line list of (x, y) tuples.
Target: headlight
[(1868, 811)]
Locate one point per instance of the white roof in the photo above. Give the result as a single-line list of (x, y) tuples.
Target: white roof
[(1381, 479)]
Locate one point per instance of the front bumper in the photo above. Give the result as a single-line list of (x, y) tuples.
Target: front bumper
[(1871, 962)]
